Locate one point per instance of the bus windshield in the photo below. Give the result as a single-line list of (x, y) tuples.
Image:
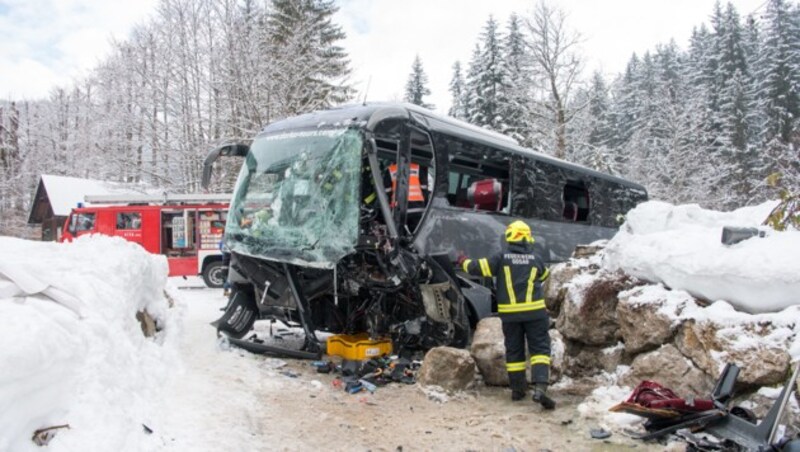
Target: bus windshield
[(296, 198)]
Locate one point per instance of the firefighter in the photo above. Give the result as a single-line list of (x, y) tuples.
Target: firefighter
[(519, 274)]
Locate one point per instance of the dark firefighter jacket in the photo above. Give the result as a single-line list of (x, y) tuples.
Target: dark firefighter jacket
[(518, 274)]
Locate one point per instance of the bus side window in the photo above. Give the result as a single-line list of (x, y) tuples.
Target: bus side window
[(479, 182), (576, 201)]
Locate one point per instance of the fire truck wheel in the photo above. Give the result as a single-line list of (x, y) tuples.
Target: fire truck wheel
[(214, 275)]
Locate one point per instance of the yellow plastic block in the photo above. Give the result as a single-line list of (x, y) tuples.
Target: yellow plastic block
[(358, 346)]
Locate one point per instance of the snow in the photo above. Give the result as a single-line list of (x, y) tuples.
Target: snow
[(73, 351), (66, 192), (680, 246)]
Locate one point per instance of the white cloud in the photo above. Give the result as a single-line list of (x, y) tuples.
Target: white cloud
[(49, 43)]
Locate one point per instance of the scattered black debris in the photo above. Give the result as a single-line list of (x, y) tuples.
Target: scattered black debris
[(147, 429), (567, 422), (43, 436), (369, 375), (599, 433), (290, 373)]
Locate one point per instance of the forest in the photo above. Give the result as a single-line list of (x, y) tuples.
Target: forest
[(716, 123)]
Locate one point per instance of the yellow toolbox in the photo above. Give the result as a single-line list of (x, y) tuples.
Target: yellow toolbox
[(358, 346)]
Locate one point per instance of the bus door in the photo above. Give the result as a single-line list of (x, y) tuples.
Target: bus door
[(412, 176)]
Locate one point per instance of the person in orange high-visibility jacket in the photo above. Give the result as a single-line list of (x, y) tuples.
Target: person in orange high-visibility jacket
[(415, 196), (518, 274)]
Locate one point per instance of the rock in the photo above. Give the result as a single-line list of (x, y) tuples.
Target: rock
[(555, 287), (584, 251), (451, 368), (557, 355), (645, 323), (489, 352), (711, 345), (668, 367), (589, 312), (581, 360), (147, 323)]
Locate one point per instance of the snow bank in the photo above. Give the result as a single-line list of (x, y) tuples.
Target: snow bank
[(73, 352), (680, 246)]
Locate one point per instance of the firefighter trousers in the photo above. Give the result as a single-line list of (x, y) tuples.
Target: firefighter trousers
[(538, 338)]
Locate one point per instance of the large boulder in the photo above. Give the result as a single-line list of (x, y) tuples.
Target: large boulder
[(758, 348), (451, 368), (581, 360), (589, 312), (585, 260), (648, 316), (489, 352), (668, 367)]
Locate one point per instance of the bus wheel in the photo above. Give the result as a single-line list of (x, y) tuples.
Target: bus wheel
[(214, 275)]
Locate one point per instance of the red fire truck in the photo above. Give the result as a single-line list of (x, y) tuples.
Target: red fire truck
[(187, 229)]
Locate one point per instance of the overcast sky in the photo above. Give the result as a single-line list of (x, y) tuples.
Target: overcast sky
[(47, 43)]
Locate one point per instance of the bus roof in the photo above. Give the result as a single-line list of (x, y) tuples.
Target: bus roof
[(370, 114)]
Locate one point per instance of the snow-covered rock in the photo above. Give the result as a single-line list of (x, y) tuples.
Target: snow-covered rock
[(668, 367), (648, 316), (759, 349), (589, 312), (582, 360), (74, 352)]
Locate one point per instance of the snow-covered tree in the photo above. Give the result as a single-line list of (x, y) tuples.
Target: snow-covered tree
[(417, 85), (488, 81), (553, 47), (458, 104)]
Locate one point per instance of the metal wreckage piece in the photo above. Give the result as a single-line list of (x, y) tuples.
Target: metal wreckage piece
[(736, 428)]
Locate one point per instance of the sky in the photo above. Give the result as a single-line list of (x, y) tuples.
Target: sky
[(49, 43)]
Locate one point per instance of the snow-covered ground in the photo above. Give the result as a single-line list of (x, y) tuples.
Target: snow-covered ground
[(73, 352)]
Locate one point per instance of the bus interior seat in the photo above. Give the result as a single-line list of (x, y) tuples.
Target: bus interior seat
[(486, 194), (571, 211)]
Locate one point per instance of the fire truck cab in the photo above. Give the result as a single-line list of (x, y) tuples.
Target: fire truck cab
[(187, 229)]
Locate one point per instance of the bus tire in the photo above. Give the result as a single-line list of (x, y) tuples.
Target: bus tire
[(214, 274)]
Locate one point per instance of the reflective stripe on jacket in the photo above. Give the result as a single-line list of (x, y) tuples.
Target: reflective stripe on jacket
[(518, 274)]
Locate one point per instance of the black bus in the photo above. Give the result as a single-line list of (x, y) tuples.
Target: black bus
[(320, 237)]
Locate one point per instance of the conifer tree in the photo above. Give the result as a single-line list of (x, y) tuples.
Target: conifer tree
[(458, 106), (490, 81), (417, 85), (315, 72)]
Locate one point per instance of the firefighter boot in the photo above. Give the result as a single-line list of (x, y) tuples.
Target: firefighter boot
[(519, 385), (540, 397)]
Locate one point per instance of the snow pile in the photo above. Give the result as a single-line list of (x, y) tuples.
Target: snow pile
[(73, 352), (680, 246)]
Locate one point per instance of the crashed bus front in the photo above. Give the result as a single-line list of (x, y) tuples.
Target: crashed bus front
[(305, 248)]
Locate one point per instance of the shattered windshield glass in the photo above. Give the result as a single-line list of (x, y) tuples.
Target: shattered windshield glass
[(296, 199)]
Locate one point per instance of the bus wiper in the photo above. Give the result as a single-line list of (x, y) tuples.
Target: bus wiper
[(312, 247)]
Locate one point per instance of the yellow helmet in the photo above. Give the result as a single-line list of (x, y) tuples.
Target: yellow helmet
[(518, 231)]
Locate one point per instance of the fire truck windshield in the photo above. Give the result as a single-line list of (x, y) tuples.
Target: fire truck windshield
[(296, 199)]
